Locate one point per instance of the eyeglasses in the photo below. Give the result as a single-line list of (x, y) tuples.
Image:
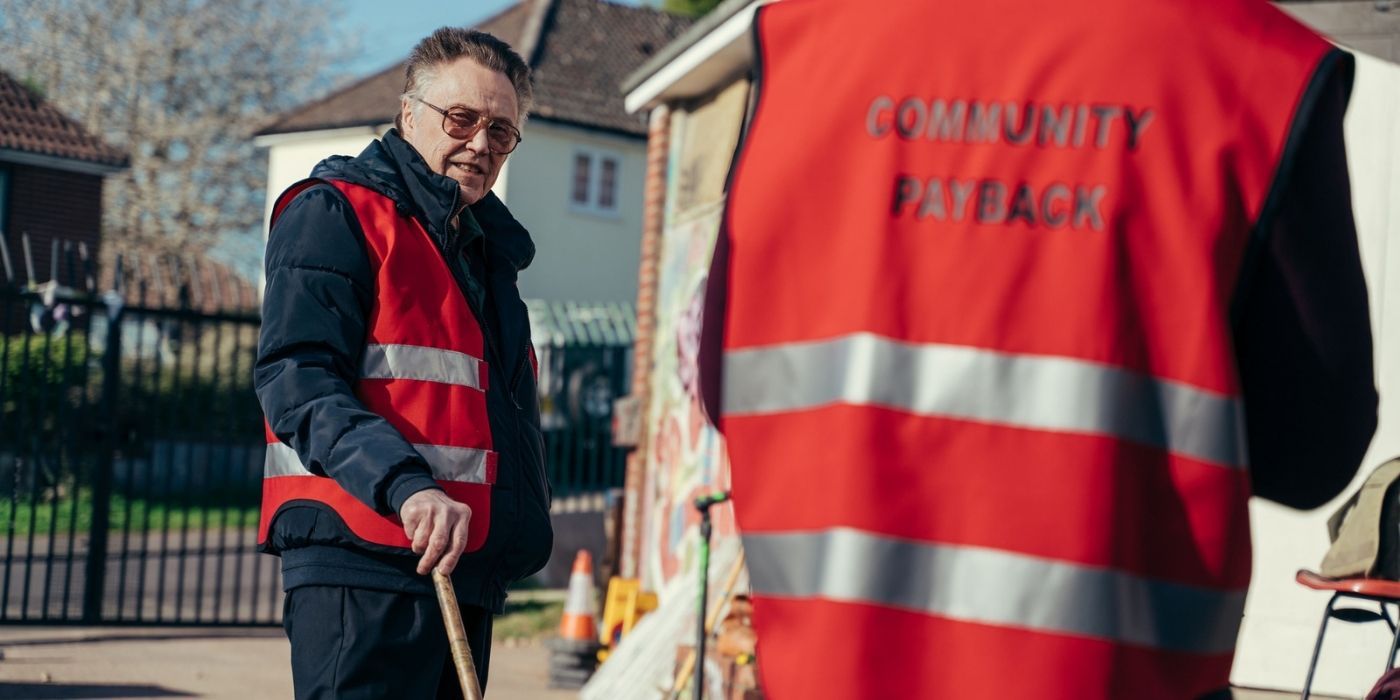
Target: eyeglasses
[(462, 123)]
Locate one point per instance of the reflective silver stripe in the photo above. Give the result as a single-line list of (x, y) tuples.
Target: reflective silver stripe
[(455, 463), (1029, 391), (993, 587), (463, 464), (421, 363), (282, 460)]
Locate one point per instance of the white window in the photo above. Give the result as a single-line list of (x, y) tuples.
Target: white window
[(595, 181)]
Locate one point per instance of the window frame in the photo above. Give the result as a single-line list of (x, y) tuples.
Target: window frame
[(593, 187)]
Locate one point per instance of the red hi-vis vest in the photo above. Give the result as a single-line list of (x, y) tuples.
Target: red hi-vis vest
[(423, 371), (979, 392)]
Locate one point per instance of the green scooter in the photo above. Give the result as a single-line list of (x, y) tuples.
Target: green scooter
[(703, 504)]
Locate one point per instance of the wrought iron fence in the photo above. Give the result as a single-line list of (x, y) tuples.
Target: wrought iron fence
[(585, 354), (131, 447), (130, 463)]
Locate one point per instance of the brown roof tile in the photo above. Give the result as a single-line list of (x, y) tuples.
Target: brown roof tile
[(193, 281), (585, 50), (31, 125)]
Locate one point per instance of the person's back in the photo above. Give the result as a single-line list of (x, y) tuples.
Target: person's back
[(982, 262)]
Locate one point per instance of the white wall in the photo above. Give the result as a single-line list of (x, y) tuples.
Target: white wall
[(290, 157), (1281, 617), (580, 256)]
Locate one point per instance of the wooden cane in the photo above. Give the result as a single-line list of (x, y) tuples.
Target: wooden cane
[(457, 636)]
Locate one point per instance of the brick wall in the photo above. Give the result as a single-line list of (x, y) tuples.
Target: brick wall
[(653, 220), (52, 204)]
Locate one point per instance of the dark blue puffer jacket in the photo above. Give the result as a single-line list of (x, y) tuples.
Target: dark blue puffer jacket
[(320, 291)]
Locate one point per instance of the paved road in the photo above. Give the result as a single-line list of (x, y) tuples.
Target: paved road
[(223, 664), (216, 663)]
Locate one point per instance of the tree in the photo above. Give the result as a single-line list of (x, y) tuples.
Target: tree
[(181, 85), (689, 8)]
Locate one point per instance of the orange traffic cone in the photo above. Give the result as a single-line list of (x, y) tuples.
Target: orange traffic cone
[(576, 650), (578, 622)]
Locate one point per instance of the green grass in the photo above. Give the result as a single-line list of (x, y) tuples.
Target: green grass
[(142, 514), (530, 615)]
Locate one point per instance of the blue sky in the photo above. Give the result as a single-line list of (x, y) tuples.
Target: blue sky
[(388, 29)]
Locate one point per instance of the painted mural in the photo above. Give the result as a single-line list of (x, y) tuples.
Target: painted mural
[(685, 456)]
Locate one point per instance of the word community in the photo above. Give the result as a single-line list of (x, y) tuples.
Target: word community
[(1009, 122)]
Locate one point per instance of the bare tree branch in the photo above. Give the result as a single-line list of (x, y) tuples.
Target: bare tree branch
[(181, 85)]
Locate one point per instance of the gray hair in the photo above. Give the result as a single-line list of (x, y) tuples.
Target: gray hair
[(451, 43)]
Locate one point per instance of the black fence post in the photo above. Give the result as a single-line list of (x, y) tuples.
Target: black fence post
[(95, 578)]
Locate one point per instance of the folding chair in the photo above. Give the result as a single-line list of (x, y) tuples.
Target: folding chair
[(1380, 591)]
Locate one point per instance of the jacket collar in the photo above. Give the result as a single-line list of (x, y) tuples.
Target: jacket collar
[(433, 195), (393, 168)]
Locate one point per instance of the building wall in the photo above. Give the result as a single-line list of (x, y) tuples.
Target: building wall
[(580, 255), (50, 204), (291, 158)]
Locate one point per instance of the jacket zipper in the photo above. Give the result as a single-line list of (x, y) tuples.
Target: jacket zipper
[(519, 373), (455, 259)]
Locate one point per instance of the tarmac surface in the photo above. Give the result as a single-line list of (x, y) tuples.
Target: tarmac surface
[(193, 662), (223, 663)]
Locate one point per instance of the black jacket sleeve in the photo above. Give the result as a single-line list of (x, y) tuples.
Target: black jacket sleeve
[(1302, 328), (315, 310)]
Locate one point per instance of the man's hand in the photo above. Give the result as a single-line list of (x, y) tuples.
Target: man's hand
[(437, 526)]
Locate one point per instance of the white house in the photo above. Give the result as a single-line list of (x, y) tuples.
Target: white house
[(576, 179)]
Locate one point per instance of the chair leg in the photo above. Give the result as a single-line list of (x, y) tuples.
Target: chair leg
[(1394, 643), (1317, 648)]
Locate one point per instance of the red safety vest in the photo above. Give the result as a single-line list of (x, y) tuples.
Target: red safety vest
[(979, 393), (422, 371)]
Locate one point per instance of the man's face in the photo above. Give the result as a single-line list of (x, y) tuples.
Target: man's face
[(461, 83)]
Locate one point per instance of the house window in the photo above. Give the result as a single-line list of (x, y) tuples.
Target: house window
[(583, 164), (607, 185), (595, 182)]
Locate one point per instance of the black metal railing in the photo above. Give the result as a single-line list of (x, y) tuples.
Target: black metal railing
[(131, 446), (585, 355), (130, 464)]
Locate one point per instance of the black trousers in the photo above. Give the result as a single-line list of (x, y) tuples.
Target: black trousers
[(355, 643)]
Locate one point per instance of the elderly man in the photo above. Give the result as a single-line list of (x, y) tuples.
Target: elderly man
[(396, 373)]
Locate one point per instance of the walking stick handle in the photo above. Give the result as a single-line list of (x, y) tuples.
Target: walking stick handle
[(457, 636)]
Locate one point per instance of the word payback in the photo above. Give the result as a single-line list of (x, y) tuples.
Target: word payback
[(1004, 124)]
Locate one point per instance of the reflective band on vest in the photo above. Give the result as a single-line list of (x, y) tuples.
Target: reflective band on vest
[(990, 586), (458, 464), (1028, 391), (392, 361)]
